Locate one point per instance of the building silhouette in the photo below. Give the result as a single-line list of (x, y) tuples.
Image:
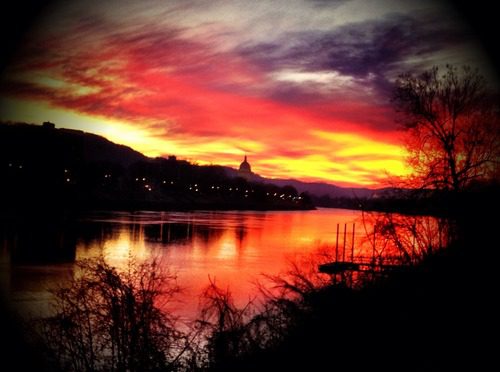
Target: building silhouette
[(245, 170)]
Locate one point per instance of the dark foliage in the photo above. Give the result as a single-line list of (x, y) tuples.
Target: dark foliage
[(109, 320), (453, 125)]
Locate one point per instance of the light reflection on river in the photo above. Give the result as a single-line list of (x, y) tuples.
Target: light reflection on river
[(235, 248)]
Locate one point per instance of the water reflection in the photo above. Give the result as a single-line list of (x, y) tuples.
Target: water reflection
[(232, 247), (39, 242)]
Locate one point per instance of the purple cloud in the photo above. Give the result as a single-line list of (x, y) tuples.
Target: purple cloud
[(370, 52)]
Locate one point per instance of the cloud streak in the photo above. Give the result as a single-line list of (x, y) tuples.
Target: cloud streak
[(369, 53)]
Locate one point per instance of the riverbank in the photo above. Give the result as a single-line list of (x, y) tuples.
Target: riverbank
[(430, 316), (434, 316), (431, 203)]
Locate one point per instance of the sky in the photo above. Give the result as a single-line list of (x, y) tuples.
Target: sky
[(301, 87)]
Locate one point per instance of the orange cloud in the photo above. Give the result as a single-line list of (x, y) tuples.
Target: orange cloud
[(161, 94)]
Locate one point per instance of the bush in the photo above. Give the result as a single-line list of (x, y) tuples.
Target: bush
[(110, 320)]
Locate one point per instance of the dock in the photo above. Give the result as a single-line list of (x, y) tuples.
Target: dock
[(346, 262), (340, 266)]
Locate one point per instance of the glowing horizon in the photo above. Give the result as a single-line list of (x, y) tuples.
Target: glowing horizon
[(301, 87)]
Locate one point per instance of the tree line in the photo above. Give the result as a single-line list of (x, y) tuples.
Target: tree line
[(58, 167)]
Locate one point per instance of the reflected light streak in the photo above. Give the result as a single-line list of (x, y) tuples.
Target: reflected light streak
[(226, 250), (120, 250)]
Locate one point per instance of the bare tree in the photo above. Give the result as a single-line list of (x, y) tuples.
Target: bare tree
[(226, 326), (234, 334), (110, 320), (453, 124), (405, 239)]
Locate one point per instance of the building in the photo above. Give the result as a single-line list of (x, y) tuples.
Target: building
[(48, 125), (245, 170)]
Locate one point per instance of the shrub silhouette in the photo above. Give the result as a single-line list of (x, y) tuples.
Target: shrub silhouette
[(111, 320)]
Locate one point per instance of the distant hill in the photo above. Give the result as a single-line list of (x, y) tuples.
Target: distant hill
[(317, 189), (21, 141), (28, 140), (46, 168), (47, 143), (43, 166), (320, 189)]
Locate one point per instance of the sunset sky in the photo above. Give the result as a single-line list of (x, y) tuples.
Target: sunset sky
[(301, 87)]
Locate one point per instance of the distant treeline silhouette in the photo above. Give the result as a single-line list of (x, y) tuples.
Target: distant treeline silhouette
[(42, 165)]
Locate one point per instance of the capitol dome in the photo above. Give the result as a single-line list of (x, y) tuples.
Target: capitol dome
[(245, 166)]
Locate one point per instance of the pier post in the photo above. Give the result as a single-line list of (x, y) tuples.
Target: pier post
[(373, 248), (352, 242), (343, 249), (337, 245)]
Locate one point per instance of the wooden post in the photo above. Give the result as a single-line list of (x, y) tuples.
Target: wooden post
[(337, 245), (343, 250), (352, 243), (373, 248), (352, 252)]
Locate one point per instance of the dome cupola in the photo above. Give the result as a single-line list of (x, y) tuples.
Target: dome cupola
[(245, 166)]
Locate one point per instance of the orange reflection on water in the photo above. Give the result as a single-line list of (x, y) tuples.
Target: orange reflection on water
[(118, 250), (232, 248)]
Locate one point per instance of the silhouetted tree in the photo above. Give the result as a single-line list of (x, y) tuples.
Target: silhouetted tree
[(110, 320), (405, 239), (235, 335), (226, 326), (453, 125)]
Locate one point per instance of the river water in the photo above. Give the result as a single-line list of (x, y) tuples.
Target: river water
[(234, 248)]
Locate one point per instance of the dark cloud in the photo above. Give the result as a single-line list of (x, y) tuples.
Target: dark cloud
[(327, 3), (296, 94), (369, 52), (143, 71), (24, 89)]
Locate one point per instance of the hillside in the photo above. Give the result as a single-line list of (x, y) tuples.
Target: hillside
[(49, 167), (28, 141), (315, 189), (24, 142)]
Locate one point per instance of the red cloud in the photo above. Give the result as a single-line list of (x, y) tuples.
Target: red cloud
[(188, 90)]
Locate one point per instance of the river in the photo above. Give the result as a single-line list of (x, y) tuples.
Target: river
[(234, 248)]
